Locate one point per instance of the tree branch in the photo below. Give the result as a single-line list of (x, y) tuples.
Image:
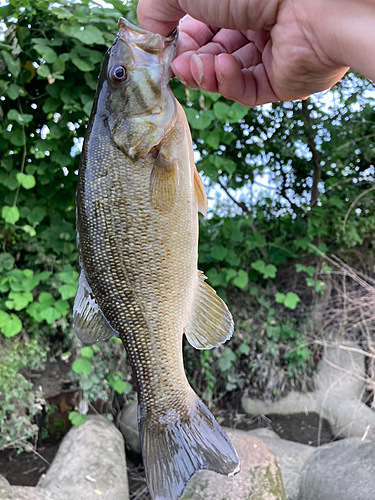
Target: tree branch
[(316, 160)]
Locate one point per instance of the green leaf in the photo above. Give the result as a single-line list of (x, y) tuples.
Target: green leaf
[(241, 280), (14, 115), (280, 297), (48, 54), (226, 360), (6, 261), (221, 110), (86, 352), (12, 327), (89, 35), (291, 300), (119, 386), (70, 277), (13, 63), (58, 66), (43, 71), (68, 291), (82, 365), (26, 180), (37, 215), (88, 107), (16, 138), (77, 419), (4, 318), (199, 120), (269, 271), (259, 265), (13, 91), (219, 252), (231, 273), (244, 349), (29, 230), (51, 314), (10, 214), (237, 112)]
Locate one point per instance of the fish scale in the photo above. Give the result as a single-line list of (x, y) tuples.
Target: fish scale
[(137, 222)]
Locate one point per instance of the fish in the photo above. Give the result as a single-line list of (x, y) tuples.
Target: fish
[(137, 204)]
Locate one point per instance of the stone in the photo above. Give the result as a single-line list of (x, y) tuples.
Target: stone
[(3, 482), (259, 478), (128, 426), (340, 385), (342, 470), (290, 456), (90, 463), (31, 493)]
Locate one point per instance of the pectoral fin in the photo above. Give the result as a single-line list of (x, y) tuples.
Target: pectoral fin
[(89, 323), (211, 323), (200, 193), (164, 183)]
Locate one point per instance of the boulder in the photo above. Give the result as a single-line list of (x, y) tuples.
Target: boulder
[(290, 456), (31, 493), (90, 463), (343, 470), (340, 385), (259, 478), (128, 426), (3, 482)]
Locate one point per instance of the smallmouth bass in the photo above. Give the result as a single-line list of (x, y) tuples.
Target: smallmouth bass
[(138, 198)]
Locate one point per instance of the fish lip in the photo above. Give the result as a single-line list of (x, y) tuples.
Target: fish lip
[(160, 41)]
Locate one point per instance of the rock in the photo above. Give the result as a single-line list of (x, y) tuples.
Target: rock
[(340, 385), (290, 456), (259, 478), (90, 463), (3, 482), (128, 425), (343, 470), (30, 493)]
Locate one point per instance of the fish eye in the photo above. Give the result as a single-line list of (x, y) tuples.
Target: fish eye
[(118, 73)]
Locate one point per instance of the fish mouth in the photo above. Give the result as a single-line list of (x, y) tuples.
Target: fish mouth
[(146, 40)]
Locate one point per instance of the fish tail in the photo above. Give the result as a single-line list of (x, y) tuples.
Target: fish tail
[(176, 447)]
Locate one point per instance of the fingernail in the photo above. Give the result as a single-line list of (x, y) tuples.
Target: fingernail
[(199, 67), (219, 74), (178, 74)]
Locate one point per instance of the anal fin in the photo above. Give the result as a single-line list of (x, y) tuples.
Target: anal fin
[(89, 324), (211, 323)]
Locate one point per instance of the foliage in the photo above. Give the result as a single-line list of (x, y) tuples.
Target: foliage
[(18, 404), (281, 180), (50, 60)]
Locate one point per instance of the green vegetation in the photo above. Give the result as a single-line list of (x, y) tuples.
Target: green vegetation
[(260, 247)]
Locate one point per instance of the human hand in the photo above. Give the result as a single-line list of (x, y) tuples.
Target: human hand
[(251, 51)]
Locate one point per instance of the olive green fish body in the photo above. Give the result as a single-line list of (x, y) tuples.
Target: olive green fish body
[(139, 264), (137, 221)]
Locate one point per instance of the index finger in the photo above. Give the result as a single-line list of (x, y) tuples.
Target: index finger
[(159, 16)]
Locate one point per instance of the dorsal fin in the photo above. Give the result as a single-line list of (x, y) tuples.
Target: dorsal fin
[(211, 323)]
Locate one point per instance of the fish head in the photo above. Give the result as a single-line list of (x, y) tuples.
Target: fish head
[(141, 108)]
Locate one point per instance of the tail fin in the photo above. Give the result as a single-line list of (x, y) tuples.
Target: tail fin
[(175, 448)]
